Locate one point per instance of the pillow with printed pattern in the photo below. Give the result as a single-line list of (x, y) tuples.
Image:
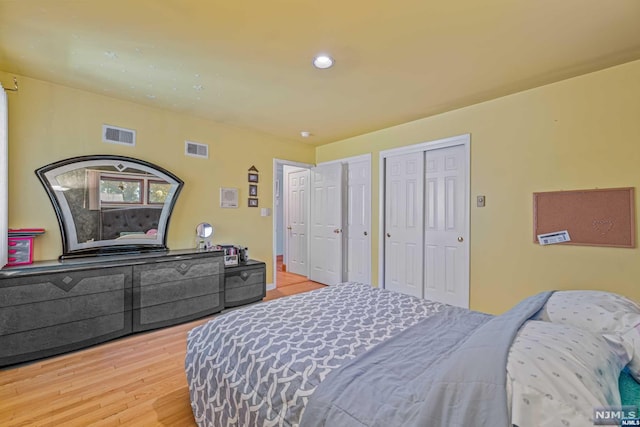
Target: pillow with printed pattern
[(557, 374), (615, 317)]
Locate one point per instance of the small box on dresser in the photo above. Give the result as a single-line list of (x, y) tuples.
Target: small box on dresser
[(244, 283), (20, 251)]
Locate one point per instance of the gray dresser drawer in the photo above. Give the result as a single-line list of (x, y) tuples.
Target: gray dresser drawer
[(56, 339), (173, 271), (244, 284), (171, 292), (178, 311), (52, 286), (46, 314)]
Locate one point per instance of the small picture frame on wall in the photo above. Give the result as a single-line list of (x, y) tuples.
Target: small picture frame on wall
[(253, 190), (253, 203), (253, 177)]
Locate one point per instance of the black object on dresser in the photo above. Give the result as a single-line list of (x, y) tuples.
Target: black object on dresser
[(52, 307), (244, 283)]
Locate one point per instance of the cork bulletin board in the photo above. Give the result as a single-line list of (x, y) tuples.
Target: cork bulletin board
[(602, 217)]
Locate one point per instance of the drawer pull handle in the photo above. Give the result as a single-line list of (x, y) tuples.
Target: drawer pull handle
[(244, 275)]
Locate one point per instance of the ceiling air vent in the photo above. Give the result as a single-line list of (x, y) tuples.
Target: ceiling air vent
[(195, 149), (116, 135)]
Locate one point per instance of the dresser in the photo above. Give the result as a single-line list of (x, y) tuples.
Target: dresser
[(52, 307), (245, 283)]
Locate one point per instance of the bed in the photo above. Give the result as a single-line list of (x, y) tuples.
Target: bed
[(134, 221), (353, 355)]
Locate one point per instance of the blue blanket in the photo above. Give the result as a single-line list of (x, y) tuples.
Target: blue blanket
[(447, 370)]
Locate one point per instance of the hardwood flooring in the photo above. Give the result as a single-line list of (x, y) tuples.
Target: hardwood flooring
[(133, 381)]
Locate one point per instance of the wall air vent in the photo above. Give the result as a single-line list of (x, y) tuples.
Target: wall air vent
[(116, 135), (195, 149)]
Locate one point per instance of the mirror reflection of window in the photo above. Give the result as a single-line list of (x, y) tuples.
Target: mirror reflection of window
[(120, 190), (158, 192)]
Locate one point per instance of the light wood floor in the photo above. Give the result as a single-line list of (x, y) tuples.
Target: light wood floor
[(134, 381)]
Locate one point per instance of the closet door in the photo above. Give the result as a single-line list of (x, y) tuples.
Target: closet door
[(358, 261), (404, 223), (446, 237)]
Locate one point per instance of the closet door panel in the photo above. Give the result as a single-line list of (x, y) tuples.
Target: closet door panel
[(404, 223)]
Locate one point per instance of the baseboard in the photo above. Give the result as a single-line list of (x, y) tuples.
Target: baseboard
[(271, 286)]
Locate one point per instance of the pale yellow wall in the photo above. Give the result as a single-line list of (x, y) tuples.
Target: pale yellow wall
[(48, 122), (576, 134)]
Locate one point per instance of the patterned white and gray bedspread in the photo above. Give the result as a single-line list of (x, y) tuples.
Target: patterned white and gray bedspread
[(263, 362)]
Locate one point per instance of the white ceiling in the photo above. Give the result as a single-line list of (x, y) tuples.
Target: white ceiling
[(248, 63)]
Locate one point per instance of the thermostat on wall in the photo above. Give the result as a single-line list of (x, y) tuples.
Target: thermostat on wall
[(555, 237)]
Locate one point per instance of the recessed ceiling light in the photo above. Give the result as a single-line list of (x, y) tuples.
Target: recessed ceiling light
[(305, 134), (323, 61)]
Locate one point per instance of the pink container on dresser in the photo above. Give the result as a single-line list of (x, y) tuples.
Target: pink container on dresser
[(20, 250)]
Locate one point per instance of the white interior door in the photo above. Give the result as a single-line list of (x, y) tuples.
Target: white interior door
[(296, 229), (404, 223), (325, 245), (358, 233), (446, 236)]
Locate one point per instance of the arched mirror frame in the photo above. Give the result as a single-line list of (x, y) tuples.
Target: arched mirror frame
[(71, 247)]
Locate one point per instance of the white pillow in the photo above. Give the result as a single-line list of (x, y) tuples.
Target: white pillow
[(615, 317), (557, 374)]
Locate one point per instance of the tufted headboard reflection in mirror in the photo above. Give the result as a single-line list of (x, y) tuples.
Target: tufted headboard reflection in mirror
[(110, 204)]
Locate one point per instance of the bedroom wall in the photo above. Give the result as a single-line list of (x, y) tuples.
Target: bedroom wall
[(49, 122), (576, 134)]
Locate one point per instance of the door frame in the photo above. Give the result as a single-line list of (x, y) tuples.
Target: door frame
[(348, 160), (274, 249), (464, 140)]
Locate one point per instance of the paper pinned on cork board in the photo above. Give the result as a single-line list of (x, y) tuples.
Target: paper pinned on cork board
[(553, 238)]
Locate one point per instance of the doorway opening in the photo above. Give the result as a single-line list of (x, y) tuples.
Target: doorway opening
[(290, 246), (321, 221)]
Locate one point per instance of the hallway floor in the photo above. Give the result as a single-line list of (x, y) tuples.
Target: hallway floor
[(290, 283)]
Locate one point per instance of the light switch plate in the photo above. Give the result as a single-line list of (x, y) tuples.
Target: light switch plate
[(480, 201)]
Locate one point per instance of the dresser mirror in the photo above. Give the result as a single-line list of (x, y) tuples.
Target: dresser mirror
[(204, 230), (110, 204)]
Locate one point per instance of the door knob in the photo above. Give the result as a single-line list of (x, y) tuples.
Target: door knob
[(337, 231), (388, 234), (365, 233), (289, 228), (460, 239)]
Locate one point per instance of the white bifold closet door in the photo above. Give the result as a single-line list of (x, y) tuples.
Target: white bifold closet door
[(404, 223), (446, 255), (358, 223), (426, 225)]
